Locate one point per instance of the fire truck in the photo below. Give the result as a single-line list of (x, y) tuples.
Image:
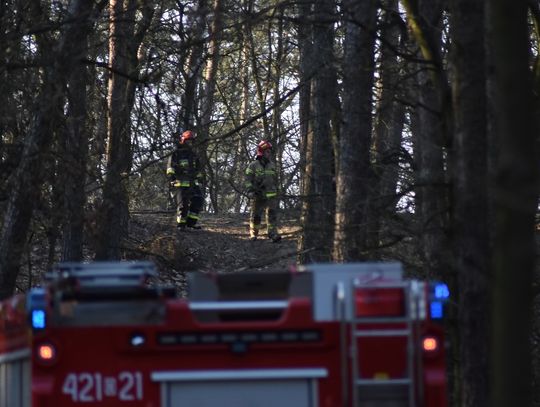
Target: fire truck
[(322, 335)]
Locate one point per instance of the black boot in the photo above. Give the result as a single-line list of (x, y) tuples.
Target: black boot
[(274, 236), (192, 223)]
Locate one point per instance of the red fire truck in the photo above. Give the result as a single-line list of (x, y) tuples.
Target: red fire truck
[(325, 335)]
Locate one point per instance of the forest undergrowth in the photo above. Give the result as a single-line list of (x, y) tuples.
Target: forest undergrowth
[(222, 245)]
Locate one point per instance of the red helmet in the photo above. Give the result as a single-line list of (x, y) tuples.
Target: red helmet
[(262, 147), (187, 135)]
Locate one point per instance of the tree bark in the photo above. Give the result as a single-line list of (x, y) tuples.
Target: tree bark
[(75, 152), (430, 135), (354, 172), (470, 179), (207, 105), (113, 214), (306, 66), (388, 126), (319, 205), (29, 174), (193, 68), (516, 201)]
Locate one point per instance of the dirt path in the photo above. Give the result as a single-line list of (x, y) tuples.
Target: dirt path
[(222, 245)]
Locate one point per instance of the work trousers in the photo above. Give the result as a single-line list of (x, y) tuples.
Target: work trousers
[(259, 205), (189, 203)]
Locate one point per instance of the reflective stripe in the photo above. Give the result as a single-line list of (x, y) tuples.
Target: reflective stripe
[(180, 220), (193, 216), (183, 163), (271, 194), (170, 171), (185, 183), (269, 172)]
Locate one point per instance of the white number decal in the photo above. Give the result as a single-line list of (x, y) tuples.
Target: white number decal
[(126, 384), (99, 387), (87, 382), (70, 386), (88, 387), (138, 385)]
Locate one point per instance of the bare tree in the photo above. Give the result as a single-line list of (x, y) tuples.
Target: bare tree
[(210, 81), (388, 126), (431, 126), (354, 172), (470, 179), (194, 65), (306, 66), (319, 200), (516, 201), (74, 150), (25, 192), (124, 42)]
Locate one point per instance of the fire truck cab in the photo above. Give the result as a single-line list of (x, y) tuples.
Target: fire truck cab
[(322, 335)]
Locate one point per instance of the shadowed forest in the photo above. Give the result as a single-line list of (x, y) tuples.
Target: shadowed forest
[(402, 130)]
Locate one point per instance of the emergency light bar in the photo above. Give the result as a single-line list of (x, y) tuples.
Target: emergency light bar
[(438, 297), (440, 291), (36, 305), (38, 319)]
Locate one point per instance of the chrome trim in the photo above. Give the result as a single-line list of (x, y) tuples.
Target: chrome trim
[(241, 374), (236, 305), (15, 355)]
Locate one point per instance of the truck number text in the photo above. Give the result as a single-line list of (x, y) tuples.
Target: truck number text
[(88, 387)]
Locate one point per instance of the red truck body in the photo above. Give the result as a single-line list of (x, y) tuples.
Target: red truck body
[(326, 336)]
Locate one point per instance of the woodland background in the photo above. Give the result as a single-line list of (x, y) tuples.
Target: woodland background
[(413, 121)]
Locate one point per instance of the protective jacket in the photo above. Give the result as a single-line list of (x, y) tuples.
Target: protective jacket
[(184, 166), (261, 178), (184, 171)]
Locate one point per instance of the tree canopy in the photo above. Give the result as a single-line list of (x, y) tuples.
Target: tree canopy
[(402, 129)]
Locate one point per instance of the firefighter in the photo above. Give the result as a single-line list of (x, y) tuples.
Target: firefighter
[(184, 172), (261, 188)]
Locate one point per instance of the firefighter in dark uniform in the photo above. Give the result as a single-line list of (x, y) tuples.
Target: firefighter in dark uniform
[(262, 189), (184, 172)]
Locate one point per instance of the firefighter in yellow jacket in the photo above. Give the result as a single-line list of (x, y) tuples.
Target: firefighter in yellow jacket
[(262, 189), (184, 171)]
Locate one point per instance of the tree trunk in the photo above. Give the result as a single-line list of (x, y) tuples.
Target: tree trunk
[(74, 148), (430, 136), (278, 135), (516, 201), (113, 216), (319, 205), (388, 127), (354, 169), (193, 68), (471, 231), (307, 64), (29, 174), (245, 111), (74, 171), (207, 105)]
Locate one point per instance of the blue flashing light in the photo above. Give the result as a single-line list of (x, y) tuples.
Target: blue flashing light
[(441, 291), (38, 319), (436, 310)]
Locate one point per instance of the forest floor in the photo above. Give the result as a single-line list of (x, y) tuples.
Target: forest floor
[(222, 245)]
